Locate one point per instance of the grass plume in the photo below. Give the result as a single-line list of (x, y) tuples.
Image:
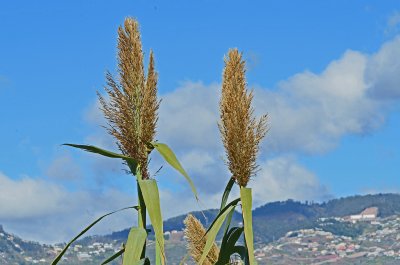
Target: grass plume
[(194, 232), (240, 132), (133, 105)]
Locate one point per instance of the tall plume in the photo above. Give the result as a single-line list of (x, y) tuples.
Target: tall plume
[(240, 132), (133, 105), (194, 232)]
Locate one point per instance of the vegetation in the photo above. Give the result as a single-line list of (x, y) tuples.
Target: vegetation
[(131, 111)]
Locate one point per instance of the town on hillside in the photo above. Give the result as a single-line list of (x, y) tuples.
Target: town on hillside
[(380, 243), (363, 238)]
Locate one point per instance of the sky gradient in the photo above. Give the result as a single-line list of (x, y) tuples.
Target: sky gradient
[(326, 72)]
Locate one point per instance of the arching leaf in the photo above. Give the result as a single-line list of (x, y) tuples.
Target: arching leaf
[(228, 245), (227, 190), (59, 256), (170, 157), (213, 231), (93, 149)]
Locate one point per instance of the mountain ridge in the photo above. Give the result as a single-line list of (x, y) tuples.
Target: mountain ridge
[(270, 222), (274, 219)]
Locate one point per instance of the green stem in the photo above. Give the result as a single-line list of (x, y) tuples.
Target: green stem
[(142, 217)]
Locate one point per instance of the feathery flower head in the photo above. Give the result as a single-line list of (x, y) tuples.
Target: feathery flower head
[(132, 107), (194, 232), (240, 132)]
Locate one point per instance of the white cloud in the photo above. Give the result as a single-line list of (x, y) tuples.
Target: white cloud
[(39, 210), (311, 112), (189, 116), (207, 169), (382, 72), (28, 197), (283, 178)]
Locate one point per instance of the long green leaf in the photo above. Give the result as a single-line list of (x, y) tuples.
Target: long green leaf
[(113, 257), (170, 157), (241, 250), (228, 247), (59, 256), (228, 216), (245, 195), (234, 234), (134, 245), (227, 190), (213, 231), (223, 211), (93, 149), (227, 225), (228, 236), (152, 200)]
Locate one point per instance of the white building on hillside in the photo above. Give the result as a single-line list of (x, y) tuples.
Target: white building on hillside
[(368, 214)]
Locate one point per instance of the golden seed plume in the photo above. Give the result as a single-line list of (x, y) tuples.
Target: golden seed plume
[(133, 105), (194, 232), (150, 103), (240, 132)]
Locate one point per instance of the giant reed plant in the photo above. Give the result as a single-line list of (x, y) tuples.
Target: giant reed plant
[(241, 135), (131, 111)]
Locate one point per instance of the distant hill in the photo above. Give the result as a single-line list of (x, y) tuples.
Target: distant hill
[(14, 250), (176, 223), (270, 221), (273, 220)]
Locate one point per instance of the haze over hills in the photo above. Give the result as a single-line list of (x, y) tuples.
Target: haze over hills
[(271, 222)]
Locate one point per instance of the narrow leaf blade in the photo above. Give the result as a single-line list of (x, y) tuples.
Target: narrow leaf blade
[(152, 200), (241, 250), (228, 245), (227, 190), (59, 256), (171, 159), (234, 236), (213, 231), (227, 225), (223, 211), (113, 257), (134, 245), (93, 149), (246, 197)]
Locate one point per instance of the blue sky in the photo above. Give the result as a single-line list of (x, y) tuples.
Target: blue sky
[(326, 72)]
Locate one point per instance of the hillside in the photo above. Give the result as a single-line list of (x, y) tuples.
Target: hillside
[(14, 250), (275, 219), (272, 222)]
